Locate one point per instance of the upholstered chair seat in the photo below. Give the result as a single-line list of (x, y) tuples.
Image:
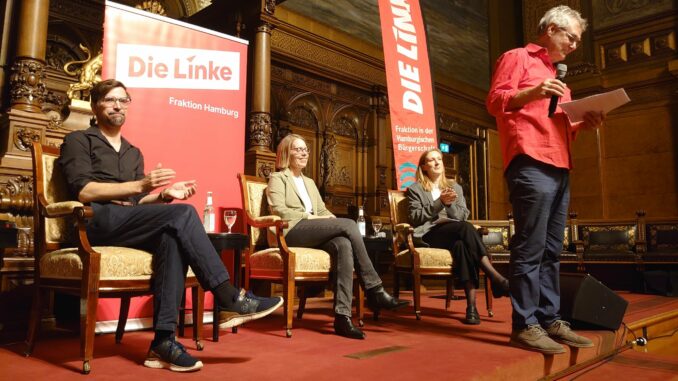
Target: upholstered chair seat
[(307, 260), (429, 258), (117, 263)]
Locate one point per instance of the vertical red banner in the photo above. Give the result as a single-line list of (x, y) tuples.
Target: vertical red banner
[(188, 89), (410, 89)]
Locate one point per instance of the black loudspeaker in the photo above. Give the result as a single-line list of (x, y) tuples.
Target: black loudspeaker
[(589, 304)]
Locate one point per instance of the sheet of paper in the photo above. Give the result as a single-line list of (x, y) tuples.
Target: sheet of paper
[(604, 103)]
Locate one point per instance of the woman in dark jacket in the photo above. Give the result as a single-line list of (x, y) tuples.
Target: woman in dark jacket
[(438, 212)]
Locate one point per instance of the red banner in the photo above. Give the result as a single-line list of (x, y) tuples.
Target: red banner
[(410, 91), (188, 89)]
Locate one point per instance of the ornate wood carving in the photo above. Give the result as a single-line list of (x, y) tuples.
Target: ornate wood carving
[(303, 117), (343, 177), (652, 45), (341, 202), (345, 126), (328, 160), (24, 138), (265, 168), (459, 126), (52, 107), (87, 13), (269, 7), (260, 130), (610, 13), (582, 68), (326, 57), (58, 53), (27, 83), (16, 196)]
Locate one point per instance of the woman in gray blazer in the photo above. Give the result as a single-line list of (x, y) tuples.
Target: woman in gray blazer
[(295, 198), (438, 212)]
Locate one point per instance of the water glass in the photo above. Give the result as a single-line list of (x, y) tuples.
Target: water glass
[(230, 216), (376, 225)]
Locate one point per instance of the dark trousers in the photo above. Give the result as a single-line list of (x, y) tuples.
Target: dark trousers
[(176, 238), (464, 242), (339, 237), (540, 195)]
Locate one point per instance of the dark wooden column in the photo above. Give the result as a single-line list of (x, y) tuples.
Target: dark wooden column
[(259, 160), (27, 85), (378, 153), (25, 123)]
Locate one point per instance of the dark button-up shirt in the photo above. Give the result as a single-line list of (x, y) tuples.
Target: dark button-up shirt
[(88, 156)]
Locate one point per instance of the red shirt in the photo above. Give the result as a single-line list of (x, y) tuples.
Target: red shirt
[(528, 130)]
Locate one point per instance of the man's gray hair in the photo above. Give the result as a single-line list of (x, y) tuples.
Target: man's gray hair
[(560, 16)]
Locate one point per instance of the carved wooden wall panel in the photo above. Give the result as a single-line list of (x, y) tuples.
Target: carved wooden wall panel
[(332, 118)]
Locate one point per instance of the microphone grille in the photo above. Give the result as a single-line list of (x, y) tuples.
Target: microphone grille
[(561, 70)]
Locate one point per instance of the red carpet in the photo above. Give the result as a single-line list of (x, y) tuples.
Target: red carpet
[(398, 347)]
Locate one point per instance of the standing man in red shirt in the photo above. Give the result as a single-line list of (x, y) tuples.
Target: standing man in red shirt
[(536, 153)]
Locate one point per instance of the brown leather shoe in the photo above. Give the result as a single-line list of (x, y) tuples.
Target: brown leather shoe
[(560, 331), (534, 338)]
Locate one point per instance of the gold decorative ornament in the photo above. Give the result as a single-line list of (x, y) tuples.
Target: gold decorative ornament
[(152, 6), (89, 74)]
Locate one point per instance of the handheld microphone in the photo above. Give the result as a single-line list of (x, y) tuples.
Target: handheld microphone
[(561, 70)]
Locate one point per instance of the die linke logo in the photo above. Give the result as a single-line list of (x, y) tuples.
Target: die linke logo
[(148, 66)]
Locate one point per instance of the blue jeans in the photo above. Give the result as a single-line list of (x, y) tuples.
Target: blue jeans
[(540, 195), (176, 238), (341, 238)]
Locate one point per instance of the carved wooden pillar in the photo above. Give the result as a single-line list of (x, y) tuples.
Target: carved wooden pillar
[(378, 152), (25, 122), (259, 160), (22, 125), (27, 85)]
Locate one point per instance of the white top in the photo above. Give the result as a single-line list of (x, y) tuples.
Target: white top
[(435, 192), (303, 193)]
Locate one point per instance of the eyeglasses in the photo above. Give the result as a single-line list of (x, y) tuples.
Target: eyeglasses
[(573, 39), (110, 101), (301, 150)]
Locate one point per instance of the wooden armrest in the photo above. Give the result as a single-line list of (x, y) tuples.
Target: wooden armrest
[(61, 209), (264, 221), (403, 227), (482, 230)]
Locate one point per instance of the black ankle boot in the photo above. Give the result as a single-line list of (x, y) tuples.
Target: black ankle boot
[(378, 298), (343, 326), (500, 288), (472, 316)]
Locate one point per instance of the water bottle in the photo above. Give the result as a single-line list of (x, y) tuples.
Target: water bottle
[(361, 221), (209, 217)]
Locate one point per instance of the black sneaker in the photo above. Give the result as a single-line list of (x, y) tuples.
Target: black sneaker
[(171, 354), (247, 307)]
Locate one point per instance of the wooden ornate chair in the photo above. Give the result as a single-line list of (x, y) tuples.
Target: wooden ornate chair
[(283, 264), (90, 272), (419, 262)]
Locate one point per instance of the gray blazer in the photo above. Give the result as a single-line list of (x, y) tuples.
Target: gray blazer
[(284, 200), (422, 210)]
